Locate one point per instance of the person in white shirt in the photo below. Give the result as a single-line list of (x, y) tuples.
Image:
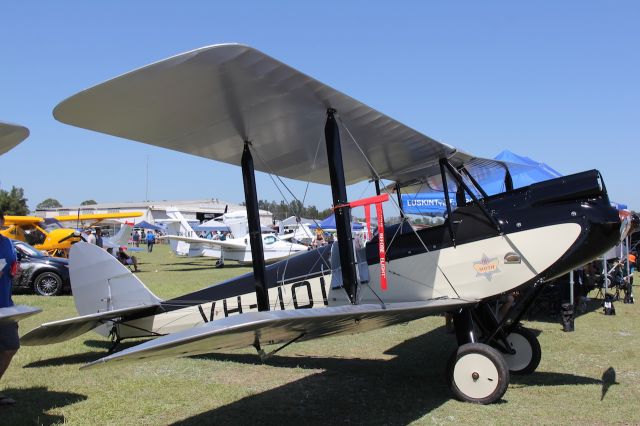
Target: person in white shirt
[(89, 237)]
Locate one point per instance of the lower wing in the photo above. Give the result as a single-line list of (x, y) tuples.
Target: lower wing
[(274, 327)]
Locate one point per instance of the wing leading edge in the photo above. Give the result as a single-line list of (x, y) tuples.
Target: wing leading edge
[(274, 327), (97, 216)]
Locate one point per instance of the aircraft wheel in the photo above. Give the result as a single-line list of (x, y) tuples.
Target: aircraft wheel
[(48, 284), (528, 351), (478, 373)]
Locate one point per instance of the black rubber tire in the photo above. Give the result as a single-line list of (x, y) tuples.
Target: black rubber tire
[(534, 347), (47, 284), (499, 373)]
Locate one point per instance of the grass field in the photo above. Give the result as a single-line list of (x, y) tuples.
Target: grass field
[(390, 376)]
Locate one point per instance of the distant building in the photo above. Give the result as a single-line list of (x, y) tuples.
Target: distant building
[(152, 211)]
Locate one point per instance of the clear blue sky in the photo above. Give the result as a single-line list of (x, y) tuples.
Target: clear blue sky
[(557, 81)]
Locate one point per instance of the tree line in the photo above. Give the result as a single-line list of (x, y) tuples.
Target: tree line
[(282, 210), (13, 202)]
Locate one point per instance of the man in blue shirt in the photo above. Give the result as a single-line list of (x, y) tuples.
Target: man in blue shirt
[(9, 339), (151, 240)]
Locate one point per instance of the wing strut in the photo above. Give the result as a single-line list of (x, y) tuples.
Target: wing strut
[(399, 201), (342, 211), (255, 233), (446, 199)]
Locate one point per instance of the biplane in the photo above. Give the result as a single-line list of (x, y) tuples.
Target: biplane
[(51, 236), (184, 241), (235, 104)]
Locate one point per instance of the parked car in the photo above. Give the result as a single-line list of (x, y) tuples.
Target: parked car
[(45, 275)]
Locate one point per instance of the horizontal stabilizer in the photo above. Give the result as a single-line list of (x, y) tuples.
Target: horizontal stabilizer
[(59, 331), (17, 313), (273, 327)]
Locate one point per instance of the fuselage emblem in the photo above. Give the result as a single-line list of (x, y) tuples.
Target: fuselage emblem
[(486, 267)]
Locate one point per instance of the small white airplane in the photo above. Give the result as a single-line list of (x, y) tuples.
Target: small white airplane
[(300, 232), (184, 241), (231, 102), (10, 136)]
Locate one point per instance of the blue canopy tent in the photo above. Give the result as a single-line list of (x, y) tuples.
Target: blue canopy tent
[(524, 171), (329, 223), (146, 225)]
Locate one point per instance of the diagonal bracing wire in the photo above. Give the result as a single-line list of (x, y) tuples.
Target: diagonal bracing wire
[(297, 214), (377, 176)]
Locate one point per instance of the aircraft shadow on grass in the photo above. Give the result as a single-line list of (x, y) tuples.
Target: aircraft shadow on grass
[(33, 403), (359, 391), (349, 390)]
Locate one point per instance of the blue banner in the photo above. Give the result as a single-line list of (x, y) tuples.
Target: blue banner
[(427, 203)]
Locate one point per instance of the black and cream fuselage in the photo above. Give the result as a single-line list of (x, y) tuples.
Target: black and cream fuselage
[(548, 229)]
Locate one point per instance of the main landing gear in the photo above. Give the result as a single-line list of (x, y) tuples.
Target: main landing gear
[(478, 373), (488, 352)]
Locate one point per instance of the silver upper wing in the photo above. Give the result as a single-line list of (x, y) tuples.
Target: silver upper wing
[(274, 327), (11, 135), (207, 102)]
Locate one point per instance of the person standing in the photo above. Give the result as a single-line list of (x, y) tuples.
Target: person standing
[(9, 339), (89, 237), (99, 237), (151, 240)]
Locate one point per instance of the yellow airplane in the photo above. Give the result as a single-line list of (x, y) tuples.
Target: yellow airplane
[(49, 234)]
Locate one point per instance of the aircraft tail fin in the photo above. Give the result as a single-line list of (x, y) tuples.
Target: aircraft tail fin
[(101, 283), (178, 225), (237, 223), (121, 238)]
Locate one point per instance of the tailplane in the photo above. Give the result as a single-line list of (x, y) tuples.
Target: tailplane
[(100, 283), (104, 291)]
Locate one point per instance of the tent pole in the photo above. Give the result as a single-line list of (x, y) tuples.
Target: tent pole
[(604, 273), (626, 244), (571, 284)]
